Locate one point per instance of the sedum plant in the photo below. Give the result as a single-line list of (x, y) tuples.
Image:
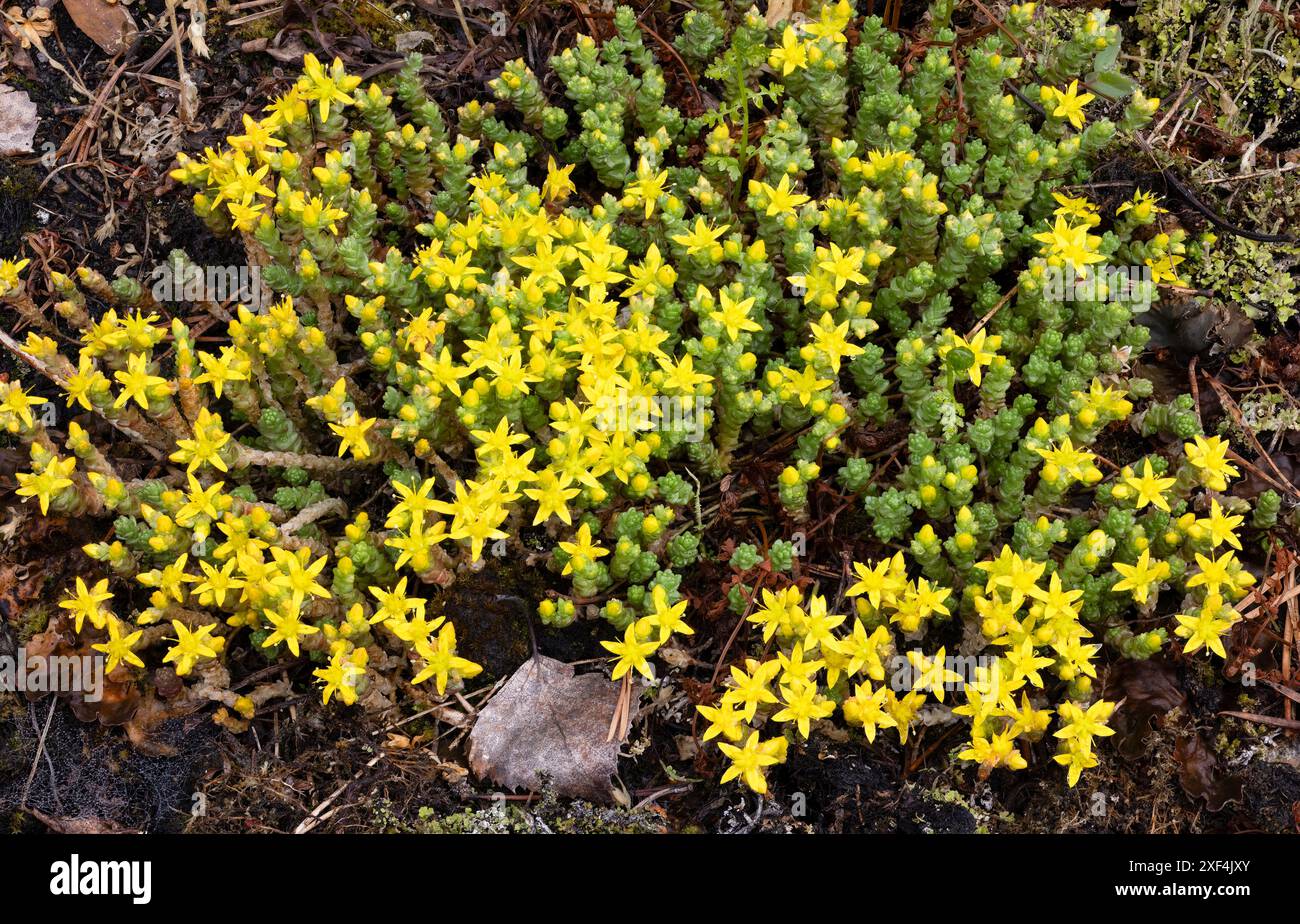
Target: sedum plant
[(543, 324)]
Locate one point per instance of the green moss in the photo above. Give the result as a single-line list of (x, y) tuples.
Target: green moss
[(378, 21), (264, 28), (33, 621)]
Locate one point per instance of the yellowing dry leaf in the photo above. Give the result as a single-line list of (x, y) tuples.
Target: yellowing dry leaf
[(30, 27)]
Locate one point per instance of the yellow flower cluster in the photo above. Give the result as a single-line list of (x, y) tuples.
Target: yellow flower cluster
[(1022, 609), (230, 565), (1220, 578), (1034, 622)]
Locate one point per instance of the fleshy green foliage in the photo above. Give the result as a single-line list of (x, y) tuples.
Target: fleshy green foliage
[(745, 556), (1267, 506)]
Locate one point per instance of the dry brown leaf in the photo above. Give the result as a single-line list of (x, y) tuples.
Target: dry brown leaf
[(1149, 690), (9, 528), (778, 10), (409, 41), (108, 25), (30, 27), (18, 121), (546, 721), (1201, 776), (291, 52)]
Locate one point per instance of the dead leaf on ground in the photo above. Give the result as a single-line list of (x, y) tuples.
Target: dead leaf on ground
[(290, 52), (409, 41), (1201, 776), (546, 721), (108, 25), (18, 121), (778, 10), (30, 27), (1149, 691), (14, 518)]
